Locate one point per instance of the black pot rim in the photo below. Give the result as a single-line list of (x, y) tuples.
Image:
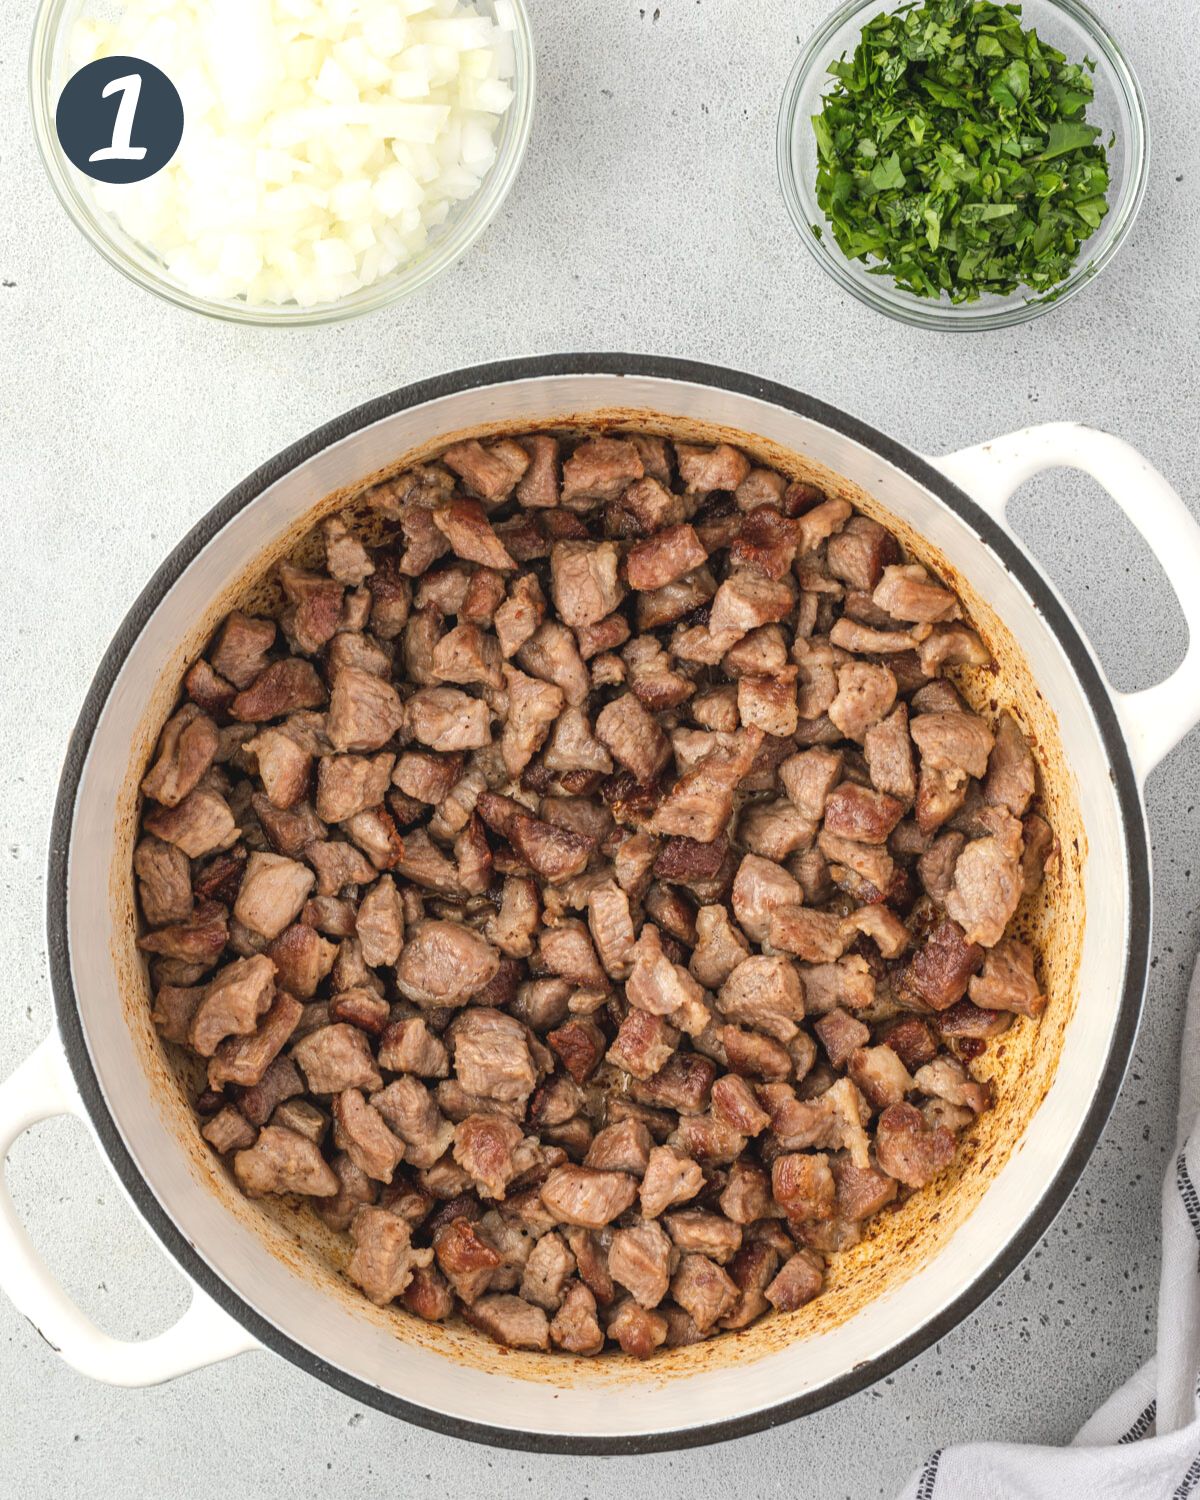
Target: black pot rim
[(990, 533)]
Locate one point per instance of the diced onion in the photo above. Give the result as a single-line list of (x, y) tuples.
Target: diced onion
[(324, 140)]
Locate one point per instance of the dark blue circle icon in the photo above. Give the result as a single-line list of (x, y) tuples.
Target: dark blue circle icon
[(119, 119)]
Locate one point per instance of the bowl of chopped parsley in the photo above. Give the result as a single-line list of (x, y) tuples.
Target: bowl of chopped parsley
[(961, 164)]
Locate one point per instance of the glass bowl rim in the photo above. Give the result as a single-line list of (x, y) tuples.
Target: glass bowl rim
[(480, 211), (941, 314)]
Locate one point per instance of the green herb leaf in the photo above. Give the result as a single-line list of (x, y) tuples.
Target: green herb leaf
[(954, 152)]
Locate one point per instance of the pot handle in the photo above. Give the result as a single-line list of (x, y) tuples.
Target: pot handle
[(40, 1089), (1156, 718)]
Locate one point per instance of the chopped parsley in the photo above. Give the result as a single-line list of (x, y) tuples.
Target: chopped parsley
[(954, 152)]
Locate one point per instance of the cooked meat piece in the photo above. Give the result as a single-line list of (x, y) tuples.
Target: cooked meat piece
[(776, 829), (640, 1259), (229, 1131), (587, 1197), (492, 1057), (280, 1161), (769, 703), (674, 601), (233, 1001), (349, 784), (512, 928), (391, 599), (359, 1131), (766, 541), (599, 470), (766, 994), (554, 853), (1008, 982), (733, 1102), (670, 1178), (945, 1078), (464, 524), (889, 755), (187, 747), (1011, 774), (623, 1146), (858, 553), (861, 1191), (604, 636), (384, 1258), (700, 803), (870, 862), (703, 1290), (815, 936), (880, 1075), (492, 472), (279, 689), (988, 884), (174, 1007), (444, 963), (272, 894), (747, 600), (951, 646), (865, 695), (753, 1055), (552, 654), (852, 636), (612, 928), (240, 652), (467, 654), (911, 1040), (521, 614), (802, 1184), (706, 469), (720, 947), (532, 707), (848, 983), (758, 889), (941, 969), (935, 868), (809, 777), (909, 1149), (280, 1082), (1040, 848), (800, 1279), (547, 1272), (361, 1007), (428, 1295), (207, 690), (940, 794), (164, 882), (832, 1121), (314, 608), (338, 865), (410, 1112), (664, 557), (633, 737), (408, 1046), (335, 1058), (841, 1035), (820, 522), (194, 944), (882, 926), (954, 742), (375, 832), (638, 1330), (448, 719), (244, 1059), (380, 924), (645, 507), (655, 984), (198, 825), (486, 1147), (346, 559), (467, 1260), (364, 711), (575, 1327), (683, 861), (573, 746), (583, 581), (907, 592), (644, 1045), (579, 1045)]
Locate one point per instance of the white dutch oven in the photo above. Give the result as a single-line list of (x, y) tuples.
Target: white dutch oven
[(265, 1277)]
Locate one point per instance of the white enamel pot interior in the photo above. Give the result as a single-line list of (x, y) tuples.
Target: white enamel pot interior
[(262, 1277)]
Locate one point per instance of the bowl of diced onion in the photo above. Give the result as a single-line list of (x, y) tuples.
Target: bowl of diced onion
[(336, 154)]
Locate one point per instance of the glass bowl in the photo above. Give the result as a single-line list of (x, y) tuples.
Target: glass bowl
[(1118, 108), (48, 72)]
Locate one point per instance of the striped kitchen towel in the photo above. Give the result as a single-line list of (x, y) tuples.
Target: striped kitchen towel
[(1144, 1442)]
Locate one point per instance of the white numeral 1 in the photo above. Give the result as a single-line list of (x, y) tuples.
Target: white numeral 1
[(130, 89)]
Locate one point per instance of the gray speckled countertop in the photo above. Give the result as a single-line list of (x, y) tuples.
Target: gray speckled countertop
[(647, 217)]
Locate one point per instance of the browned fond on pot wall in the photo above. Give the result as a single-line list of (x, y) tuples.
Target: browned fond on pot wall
[(896, 1244)]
